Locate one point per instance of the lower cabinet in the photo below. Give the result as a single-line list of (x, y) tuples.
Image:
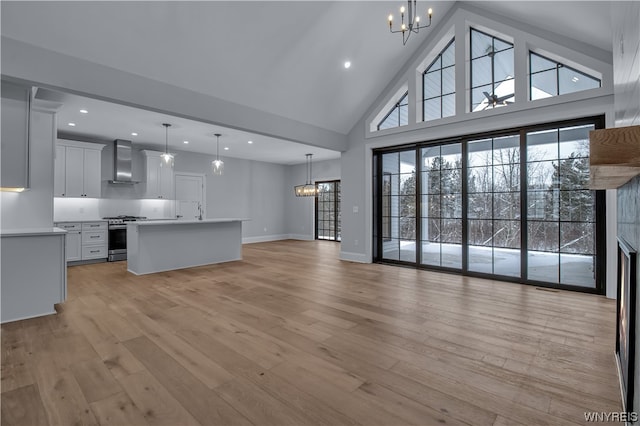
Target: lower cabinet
[(85, 240)]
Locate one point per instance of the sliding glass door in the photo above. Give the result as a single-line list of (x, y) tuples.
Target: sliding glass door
[(515, 206)]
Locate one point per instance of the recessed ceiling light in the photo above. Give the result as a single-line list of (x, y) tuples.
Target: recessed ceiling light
[(226, 148), (186, 142), (575, 79), (134, 134), (84, 111), (249, 142), (347, 64), (72, 124)]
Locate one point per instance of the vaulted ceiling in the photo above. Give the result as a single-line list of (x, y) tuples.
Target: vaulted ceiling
[(282, 57)]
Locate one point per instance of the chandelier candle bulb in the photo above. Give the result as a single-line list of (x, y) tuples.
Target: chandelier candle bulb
[(413, 24)]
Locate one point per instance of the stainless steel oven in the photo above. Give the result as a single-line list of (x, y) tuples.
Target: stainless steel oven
[(117, 248)]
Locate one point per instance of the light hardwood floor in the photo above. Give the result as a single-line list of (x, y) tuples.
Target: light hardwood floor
[(292, 336)]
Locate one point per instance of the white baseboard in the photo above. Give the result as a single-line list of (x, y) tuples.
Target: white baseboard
[(301, 237), (265, 238), (354, 257)]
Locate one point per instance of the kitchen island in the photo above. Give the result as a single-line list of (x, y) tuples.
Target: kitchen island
[(165, 245), (33, 273)]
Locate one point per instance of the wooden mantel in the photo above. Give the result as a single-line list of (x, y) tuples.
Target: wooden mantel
[(614, 156)]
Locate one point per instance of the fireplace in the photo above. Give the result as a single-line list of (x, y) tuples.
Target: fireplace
[(626, 325)]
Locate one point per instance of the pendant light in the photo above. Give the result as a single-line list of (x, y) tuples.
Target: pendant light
[(308, 189), (217, 165), (168, 158)]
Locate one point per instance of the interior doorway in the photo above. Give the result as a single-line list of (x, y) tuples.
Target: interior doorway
[(190, 196), (328, 211)]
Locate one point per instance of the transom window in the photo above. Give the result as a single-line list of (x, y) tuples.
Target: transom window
[(439, 85), (398, 115), (492, 71), (550, 78)]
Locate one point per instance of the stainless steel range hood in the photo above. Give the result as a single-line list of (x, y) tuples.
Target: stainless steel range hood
[(122, 162)]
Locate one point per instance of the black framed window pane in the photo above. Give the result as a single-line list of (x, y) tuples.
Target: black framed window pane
[(449, 105), (391, 249), (452, 156), (479, 206), (449, 55), (577, 270), (543, 266), (503, 65), (506, 178), (432, 84), (432, 109), (480, 179), (481, 44), (431, 206), (542, 145), (480, 153), (478, 97), (500, 45), (403, 119), (448, 80), (391, 163), (577, 206), (542, 175), (577, 237), (506, 205), (451, 231), (539, 63), (451, 205), (543, 236), (544, 84), (574, 141), (481, 71), (571, 81)]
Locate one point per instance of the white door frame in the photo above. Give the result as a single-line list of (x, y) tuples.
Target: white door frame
[(204, 190)]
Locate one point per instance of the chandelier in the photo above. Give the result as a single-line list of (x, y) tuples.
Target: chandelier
[(308, 189), (217, 165), (413, 21), (166, 156)]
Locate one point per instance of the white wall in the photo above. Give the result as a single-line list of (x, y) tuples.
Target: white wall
[(34, 208), (300, 211), (357, 160)]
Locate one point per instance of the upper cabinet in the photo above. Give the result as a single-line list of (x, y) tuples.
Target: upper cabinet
[(16, 109), (159, 176), (77, 169)]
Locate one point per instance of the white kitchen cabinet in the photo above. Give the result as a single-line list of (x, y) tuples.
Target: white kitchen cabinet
[(94, 240), (78, 169), (14, 145), (73, 240), (59, 172), (85, 240), (159, 176)]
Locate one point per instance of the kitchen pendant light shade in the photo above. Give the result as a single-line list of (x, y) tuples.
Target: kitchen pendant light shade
[(166, 156), (217, 165), (308, 189)]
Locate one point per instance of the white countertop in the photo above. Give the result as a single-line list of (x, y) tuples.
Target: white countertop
[(23, 232), (183, 222)]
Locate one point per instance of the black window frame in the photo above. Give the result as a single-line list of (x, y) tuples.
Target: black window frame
[(600, 208), (490, 54), (396, 108), (441, 94), (336, 209), (557, 67)]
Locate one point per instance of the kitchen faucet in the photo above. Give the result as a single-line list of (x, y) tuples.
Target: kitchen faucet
[(199, 211)]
